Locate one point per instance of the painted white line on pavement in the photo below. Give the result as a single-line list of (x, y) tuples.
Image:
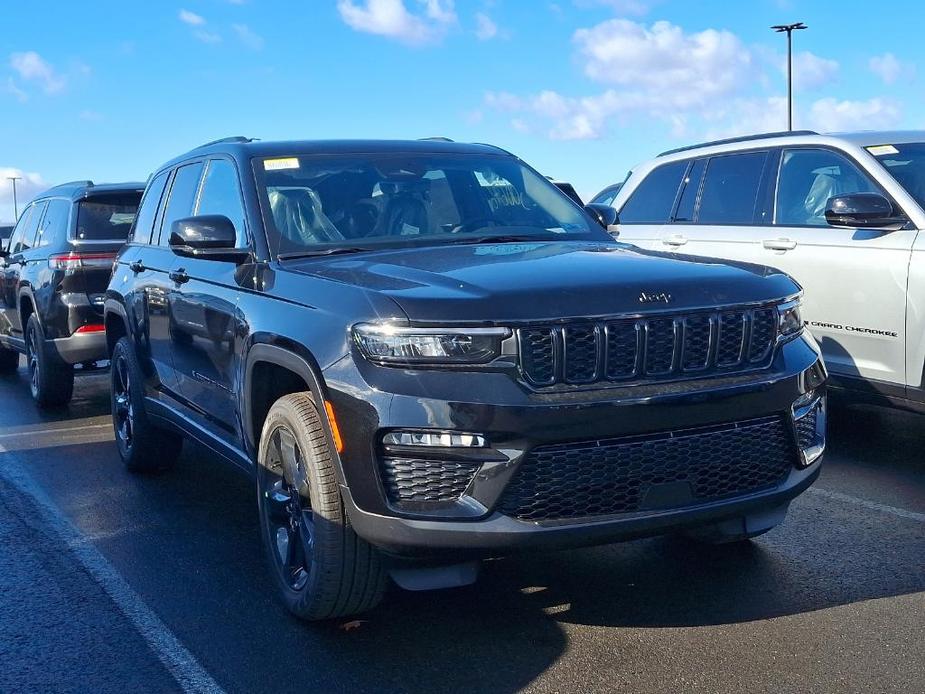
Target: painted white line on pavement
[(872, 505), (181, 664), (40, 432)]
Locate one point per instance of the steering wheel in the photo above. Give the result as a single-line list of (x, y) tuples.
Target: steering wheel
[(472, 224)]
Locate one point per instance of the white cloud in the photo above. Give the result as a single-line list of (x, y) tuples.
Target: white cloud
[(248, 36), (11, 86), (392, 19), (810, 71), (31, 67), (662, 62), (207, 36), (191, 18), (485, 27), (745, 116), (832, 115), (30, 185), (889, 68)]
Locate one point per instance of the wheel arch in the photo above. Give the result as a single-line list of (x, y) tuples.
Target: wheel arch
[(116, 322)]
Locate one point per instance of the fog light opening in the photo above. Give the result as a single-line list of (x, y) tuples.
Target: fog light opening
[(434, 439), (809, 420)]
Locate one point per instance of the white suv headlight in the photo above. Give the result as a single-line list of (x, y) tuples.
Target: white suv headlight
[(790, 318), (398, 344)]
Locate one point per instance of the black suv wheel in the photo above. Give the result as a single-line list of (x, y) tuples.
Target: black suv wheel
[(323, 569), (51, 381), (143, 446)]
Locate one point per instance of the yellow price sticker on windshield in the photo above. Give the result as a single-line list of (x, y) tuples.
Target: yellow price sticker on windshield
[(280, 164), (880, 150)]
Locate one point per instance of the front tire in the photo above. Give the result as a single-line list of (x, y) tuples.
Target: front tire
[(50, 380), (142, 446), (322, 568)]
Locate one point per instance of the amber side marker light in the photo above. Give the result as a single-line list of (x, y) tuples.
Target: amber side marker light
[(335, 431)]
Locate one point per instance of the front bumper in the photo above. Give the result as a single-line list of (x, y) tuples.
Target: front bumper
[(516, 422)]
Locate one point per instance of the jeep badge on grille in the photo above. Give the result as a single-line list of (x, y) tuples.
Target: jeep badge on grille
[(654, 297)]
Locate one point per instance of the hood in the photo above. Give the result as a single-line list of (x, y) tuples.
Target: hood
[(547, 280)]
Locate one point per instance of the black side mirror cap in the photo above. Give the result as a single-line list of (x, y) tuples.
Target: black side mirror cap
[(604, 215), (207, 236), (863, 211)]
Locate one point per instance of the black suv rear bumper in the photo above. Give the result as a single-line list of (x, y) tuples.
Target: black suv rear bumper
[(464, 516), (80, 347)]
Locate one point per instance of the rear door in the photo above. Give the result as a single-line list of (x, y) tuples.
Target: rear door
[(647, 210), (206, 320), (22, 254), (854, 279), (722, 207)]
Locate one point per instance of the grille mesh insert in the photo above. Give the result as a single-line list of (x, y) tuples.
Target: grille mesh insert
[(415, 480), (598, 478)]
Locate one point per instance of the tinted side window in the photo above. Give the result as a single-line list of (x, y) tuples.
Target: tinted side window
[(808, 178), (182, 195), (730, 189), (685, 211), (653, 199), (144, 220), (54, 226), (25, 242), (221, 194), (16, 235)]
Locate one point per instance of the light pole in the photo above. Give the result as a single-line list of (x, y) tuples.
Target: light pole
[(13, 179), (789, 28)]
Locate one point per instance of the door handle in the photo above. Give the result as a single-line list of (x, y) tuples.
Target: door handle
[(779, 244), (137, 266), (179, 276), (675, 240)]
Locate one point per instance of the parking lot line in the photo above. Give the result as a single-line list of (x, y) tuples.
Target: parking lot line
[(182, 665), (872, 505)]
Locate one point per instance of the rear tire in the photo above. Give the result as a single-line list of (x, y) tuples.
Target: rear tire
[(322, 568), (9, 361), (143, 446), (51, 381)]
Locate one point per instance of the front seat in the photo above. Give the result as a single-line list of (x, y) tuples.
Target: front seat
[(404, 215), (299, 217)]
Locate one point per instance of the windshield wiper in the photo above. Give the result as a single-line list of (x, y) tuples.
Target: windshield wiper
[(497, 238), (339, 250)]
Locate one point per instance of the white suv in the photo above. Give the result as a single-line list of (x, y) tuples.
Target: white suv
[(843, 214)]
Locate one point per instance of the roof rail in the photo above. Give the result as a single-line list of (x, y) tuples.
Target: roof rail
[(743, 138), (239, 139), (435, 138)]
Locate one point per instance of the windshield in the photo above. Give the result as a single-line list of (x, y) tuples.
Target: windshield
[(107, 217), (317, 203), (906, 161)]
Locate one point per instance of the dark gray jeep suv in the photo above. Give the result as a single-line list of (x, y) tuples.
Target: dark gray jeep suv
[(54, 270), (425, 353)]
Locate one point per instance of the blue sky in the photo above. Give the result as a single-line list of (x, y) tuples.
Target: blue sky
[(581, 89)]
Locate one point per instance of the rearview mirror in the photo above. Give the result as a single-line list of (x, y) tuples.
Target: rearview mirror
[(207, 236), (604, 215), (863, 211)]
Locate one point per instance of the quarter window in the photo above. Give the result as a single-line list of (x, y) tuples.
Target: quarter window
[(182, 195), (147, 212), (730, 188), (685, 211), (653, 199), (221, 195), (54, 226), (808, 178)]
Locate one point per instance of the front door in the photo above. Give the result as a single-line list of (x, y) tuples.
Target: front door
[(854, 280), (21, 243)]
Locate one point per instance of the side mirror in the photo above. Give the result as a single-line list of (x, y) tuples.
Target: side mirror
[(604, 215), (863, 211), (207, 236)]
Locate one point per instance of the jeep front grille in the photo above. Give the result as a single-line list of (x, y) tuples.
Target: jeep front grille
[(640, 349)]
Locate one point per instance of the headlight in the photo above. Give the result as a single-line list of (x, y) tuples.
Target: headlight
[(397, 344), (790, 319)]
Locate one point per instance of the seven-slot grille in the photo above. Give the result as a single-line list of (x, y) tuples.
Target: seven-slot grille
[(639, 349)]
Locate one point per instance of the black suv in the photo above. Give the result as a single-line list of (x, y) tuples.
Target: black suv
[(425, 354), (54, 270)]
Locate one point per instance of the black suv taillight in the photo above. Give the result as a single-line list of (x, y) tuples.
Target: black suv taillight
[(76, 260)]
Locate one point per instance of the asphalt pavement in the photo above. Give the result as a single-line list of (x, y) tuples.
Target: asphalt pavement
[(111, 582)]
